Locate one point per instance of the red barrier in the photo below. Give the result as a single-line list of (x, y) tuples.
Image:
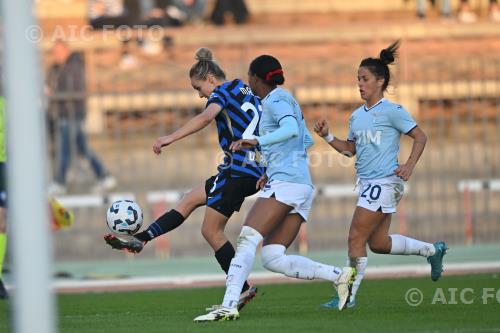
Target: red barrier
[(469, 232)]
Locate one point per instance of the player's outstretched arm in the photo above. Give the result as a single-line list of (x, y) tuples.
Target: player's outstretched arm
[(192, 126), (345, 147), (288, 129)]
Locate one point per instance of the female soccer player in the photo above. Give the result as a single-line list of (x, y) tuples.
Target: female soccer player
[(374, 133), (236, 112), (286, 198)]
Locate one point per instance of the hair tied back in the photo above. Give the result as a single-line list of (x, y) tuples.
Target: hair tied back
[(388, 54), (271, 73)]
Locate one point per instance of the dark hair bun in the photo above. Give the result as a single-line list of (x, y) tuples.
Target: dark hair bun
[(386, 56), (389, 54), (269, 69), (276, 79)]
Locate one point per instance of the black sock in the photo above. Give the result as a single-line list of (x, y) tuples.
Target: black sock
[(224, 255), (165, 223)]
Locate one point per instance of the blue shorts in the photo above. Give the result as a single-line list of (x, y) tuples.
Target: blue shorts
[(226, 194)]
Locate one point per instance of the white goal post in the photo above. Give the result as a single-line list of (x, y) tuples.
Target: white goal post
[(32, 296)]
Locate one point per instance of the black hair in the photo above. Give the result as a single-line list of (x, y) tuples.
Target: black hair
[(380, 66), (205, 65), (269, 69)]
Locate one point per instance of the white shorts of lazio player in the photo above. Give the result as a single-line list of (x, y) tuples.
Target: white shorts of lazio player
[(299, 196), (380, 194)]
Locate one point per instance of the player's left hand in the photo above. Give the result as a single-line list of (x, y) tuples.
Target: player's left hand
[(404, 172), (242, 144), (161, 142)]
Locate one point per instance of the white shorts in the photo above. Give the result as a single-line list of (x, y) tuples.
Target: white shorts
[(380, 194), (299, 196)]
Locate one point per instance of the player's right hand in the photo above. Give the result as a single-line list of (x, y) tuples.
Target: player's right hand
[(242, 144), (321, 128), (261, 182)]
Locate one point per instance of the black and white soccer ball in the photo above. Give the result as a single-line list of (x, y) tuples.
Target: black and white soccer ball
[(124, 217)]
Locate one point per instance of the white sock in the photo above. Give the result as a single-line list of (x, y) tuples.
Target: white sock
[(405, 245), (360, 264), (241, 265), (275, 260)]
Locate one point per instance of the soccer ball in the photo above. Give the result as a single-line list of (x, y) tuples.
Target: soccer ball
[(124, 217)]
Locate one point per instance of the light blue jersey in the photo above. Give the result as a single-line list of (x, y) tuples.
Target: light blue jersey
[(286, 160), (376, 132)]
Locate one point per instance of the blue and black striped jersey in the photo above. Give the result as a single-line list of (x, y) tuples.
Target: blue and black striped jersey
[(239, 118)]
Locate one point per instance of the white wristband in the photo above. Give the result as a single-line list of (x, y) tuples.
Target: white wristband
[(329, 138)]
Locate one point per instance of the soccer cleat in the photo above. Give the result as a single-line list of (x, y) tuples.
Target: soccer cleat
[(131, 244), (3, 291), (245, 298), (220, 314), (436, 260), (343, 284), (334, 303), (213, 307)]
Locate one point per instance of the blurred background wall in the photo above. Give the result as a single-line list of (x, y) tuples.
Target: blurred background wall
[(137, 88)]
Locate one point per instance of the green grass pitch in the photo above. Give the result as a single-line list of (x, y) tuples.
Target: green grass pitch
[(291, 308)]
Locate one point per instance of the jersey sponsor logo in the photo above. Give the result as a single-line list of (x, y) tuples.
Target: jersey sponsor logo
[(246, 91), (365, 137), (251, 156)]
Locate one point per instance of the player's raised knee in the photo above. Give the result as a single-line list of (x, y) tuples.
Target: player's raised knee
[(377, 248), (248, 237), (273, 257)]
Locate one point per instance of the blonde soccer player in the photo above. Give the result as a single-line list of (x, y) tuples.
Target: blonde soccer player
[(236, 112)]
